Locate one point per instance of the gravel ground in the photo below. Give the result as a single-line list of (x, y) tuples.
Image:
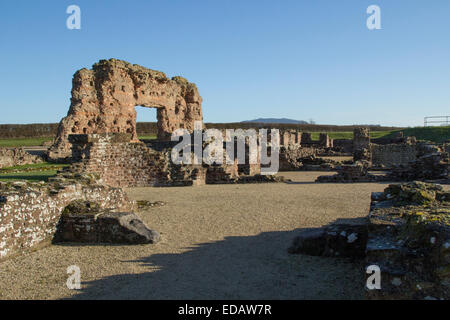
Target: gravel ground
[(218, 242)]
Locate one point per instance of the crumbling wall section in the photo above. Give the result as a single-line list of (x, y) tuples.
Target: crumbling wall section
[(409, 240), (29, 212), (392, 154), (122, 163), (118, 161), (104, 100), (10, 157), (291, 155), (361, 144)]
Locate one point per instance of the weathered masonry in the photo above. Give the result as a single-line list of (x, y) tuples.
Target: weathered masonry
[(123, 163), (30, 212), (104, 100), (390, 155)]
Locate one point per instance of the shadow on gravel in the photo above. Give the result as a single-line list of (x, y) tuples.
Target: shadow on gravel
[(238, 267)]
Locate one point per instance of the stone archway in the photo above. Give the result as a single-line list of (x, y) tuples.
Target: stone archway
[(104, 100)]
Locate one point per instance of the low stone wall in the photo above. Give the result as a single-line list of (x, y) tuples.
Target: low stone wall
[(292, 137), (84, 222), (343, 145), (392, 154), (435, 166), (409, 240), (121, 163), (29, 212), (361, 144), (117, 161), (16, 157), (290, 156), (406, 237)]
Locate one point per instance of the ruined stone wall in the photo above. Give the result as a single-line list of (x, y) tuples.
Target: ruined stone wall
[(104, 100), (409, 240), (290, 156), (295, 137), (119, 162), (393, 154), (345, 145), (290, 137), (29, 212), (122, 163), (361, 144), (325, 141), (406, 235), (16, 157)]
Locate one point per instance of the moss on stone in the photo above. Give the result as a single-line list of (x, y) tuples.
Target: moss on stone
[(417, 192)]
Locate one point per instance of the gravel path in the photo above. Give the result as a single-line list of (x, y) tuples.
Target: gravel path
[(219, 242)]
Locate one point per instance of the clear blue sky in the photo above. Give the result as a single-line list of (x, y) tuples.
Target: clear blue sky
[(300, 59)]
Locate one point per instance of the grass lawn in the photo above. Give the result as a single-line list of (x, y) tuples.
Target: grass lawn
[(32, 142), (435, 134), (349, 135), (23, 142), (31, 172)]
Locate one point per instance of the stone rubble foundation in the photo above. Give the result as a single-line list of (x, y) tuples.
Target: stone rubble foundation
[(406, 236), (30, 211)]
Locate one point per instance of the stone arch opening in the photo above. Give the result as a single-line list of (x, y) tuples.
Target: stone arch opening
[(146, 122), (104, 99)]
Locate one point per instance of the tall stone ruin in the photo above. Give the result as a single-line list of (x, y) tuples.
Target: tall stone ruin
[(361, 144), (104, 100)]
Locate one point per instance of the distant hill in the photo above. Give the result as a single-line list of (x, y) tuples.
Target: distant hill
[(277, 120)]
